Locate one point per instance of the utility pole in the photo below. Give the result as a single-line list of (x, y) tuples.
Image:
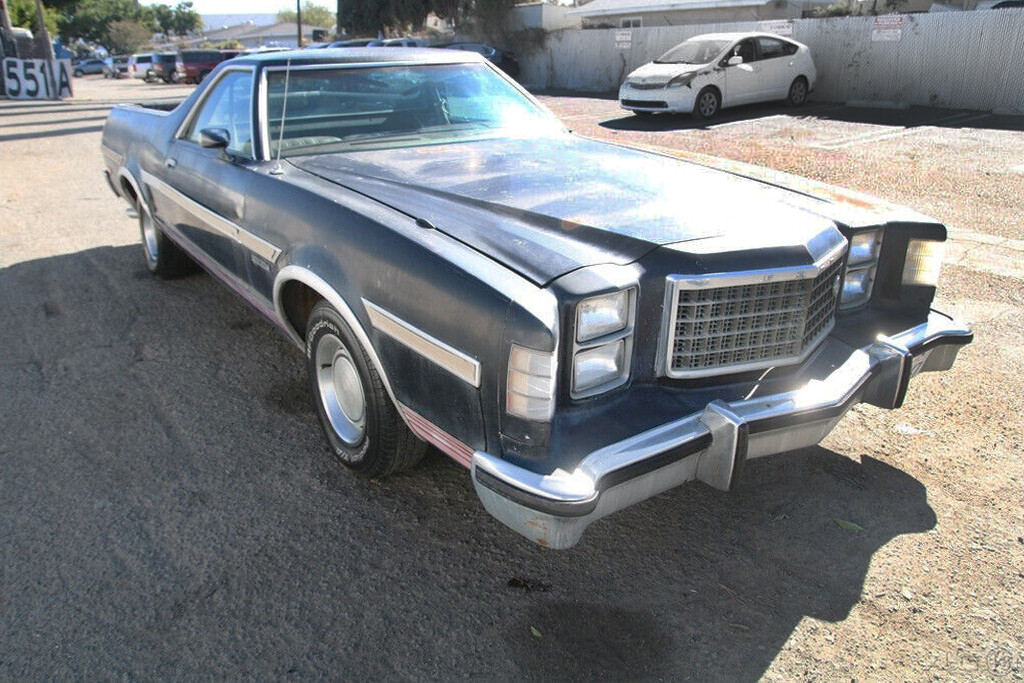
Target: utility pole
[(8, 48), (49, 55), (298, 20)]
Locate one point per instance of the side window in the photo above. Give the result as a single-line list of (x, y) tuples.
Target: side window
[(771, 48), (228, 106), (745, 49), (790, 48)]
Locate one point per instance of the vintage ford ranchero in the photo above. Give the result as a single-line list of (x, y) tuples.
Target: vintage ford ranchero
[(580, 324)]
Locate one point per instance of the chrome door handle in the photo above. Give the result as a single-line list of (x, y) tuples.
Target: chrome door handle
[(171, 163)]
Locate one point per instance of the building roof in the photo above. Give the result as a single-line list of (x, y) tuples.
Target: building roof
[(282, 29), (600, 8)]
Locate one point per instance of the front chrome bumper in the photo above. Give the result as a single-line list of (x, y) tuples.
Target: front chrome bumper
[(713, 445)]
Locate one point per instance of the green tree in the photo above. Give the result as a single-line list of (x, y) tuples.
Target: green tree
[(450, 10), (90, 20), (23, 14), (490, 19), (163, 15), (127, 36), (312, 15), (176, 21), (185, 19)]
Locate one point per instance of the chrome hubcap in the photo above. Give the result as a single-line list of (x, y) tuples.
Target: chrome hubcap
[(148, 236), (341, 390)]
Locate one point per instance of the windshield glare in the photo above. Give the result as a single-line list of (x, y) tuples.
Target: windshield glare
[(342, 109), (693, 51)]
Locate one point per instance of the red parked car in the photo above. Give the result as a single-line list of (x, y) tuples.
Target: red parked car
[(194, 65)]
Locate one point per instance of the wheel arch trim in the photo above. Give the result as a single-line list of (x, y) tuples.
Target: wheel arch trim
[(294, 273)]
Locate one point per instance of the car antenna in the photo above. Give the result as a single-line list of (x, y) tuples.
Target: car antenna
[(277, 170)]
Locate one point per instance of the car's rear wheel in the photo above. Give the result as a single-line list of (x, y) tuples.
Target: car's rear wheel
[(707, 104), (797, 92), (360, 421), (163, 257)]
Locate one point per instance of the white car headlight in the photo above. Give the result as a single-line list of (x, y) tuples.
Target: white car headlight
[(599, 365), (681, 80), (923, 263), (531, 383), (864, 247), (602, 315), (603, 342), (857, 286), (861, 264)]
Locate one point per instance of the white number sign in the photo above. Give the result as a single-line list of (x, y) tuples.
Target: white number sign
[(37, 79)]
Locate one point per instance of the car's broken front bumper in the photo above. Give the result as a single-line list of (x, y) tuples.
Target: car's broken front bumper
[(711, 445)]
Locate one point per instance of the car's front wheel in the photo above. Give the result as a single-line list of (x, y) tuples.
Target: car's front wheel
[(797, 92), (359, 419), (707, 104)]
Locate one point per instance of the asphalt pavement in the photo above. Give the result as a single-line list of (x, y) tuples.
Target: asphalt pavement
[(169, 508)]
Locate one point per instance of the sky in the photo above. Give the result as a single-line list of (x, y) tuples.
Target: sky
[(238, 6)]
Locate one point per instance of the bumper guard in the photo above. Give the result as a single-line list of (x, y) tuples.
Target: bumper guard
[(712, 445)]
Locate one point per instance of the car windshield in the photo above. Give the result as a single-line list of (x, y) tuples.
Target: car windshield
[(343, 109), (693, 51)]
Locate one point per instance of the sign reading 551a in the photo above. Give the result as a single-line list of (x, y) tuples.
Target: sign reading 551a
[(37, 79)]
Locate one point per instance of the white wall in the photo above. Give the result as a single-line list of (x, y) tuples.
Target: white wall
[(960, 60)]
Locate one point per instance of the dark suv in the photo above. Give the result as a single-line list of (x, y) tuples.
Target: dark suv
[(195, 65), (163, 67)]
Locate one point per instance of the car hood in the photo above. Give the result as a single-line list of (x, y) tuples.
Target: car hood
[(661, 74), (549, 206)]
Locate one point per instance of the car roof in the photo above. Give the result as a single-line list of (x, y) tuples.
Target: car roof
[(362, 55), (738, 35)]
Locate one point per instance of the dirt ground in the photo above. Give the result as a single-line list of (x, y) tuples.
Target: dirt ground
[(168, 507)]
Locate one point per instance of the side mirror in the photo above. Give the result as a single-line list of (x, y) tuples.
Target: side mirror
[(734, 60), (215, 138)]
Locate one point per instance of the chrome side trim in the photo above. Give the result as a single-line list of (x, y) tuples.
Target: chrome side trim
[(213, 220), (451, 359)]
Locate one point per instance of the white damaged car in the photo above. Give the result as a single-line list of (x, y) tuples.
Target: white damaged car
[(716, 70)]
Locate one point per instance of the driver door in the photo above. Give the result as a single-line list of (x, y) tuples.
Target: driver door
[(209, 185), (743, 82)]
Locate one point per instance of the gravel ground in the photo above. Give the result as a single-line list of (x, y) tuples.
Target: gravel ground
[(169, 508)]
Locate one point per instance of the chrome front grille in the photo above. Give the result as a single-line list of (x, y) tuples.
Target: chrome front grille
[(738, 322)]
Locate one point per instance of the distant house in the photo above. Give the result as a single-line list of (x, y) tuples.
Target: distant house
[(541, 15), (281, 34), (649, 13)]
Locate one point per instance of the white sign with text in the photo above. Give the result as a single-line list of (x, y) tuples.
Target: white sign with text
[(37, 79)]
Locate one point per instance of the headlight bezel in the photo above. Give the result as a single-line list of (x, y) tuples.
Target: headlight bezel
[(862, 258), (620, 338)]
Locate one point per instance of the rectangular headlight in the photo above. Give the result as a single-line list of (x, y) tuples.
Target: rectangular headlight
[(857, 286), (599, 365), (531, 383), (923, 263), (864, 247), (601, 315)]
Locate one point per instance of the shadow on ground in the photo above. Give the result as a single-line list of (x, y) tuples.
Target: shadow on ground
[(171, 510), (912, 117)]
